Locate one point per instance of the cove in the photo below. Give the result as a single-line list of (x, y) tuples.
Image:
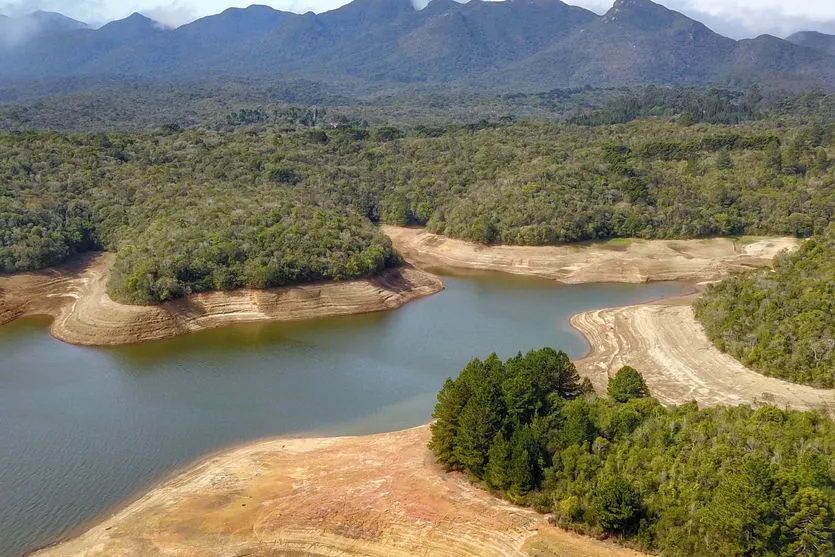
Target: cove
[(84, 429)]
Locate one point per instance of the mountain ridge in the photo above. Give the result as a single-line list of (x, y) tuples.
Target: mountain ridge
[(515, 43), (814, 40)]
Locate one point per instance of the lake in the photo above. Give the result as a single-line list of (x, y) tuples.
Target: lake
[(82, 430)]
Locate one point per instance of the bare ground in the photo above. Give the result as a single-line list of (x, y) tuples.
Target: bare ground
[(668, 346), (76, 296), (379, 496), (631, 261), (382, 495)]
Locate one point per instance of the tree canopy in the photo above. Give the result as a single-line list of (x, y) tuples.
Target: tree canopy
[(678, 480), (780, 322), (627, 384), (268, 202)]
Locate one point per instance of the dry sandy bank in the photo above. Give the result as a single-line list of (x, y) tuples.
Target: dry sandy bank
[(630, 261), (379, 496), (668, 346), (382, 495), (76, 296), (663, 340)]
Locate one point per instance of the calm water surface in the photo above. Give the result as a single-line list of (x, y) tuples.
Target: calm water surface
[(83, 429)]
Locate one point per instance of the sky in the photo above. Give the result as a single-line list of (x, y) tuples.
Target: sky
[(734, 18)]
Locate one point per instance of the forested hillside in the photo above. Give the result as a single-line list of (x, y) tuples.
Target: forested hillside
[(263, 206), (780, 322), (677, 480), (185, 212)]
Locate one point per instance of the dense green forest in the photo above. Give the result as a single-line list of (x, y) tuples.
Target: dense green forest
[(264, 202), (184, 212), (780, 322), (678, 480)]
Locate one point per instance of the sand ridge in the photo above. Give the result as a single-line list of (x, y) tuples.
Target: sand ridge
[(76, 296), (631, 261)]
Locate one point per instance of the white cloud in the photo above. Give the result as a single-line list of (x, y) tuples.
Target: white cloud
[(736, 18), (18, 32), (172, 15)]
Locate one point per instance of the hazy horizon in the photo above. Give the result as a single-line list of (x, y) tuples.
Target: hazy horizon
[(735, 18)]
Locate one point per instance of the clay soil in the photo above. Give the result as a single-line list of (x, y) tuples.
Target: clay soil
[(378, 496), (679, 363)]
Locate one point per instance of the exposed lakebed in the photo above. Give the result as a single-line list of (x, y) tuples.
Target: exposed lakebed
[(83, 429)]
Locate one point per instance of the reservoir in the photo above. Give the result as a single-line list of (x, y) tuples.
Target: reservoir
[(83, 430)]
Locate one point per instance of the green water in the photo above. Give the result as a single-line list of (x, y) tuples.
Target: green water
[(83, 429)]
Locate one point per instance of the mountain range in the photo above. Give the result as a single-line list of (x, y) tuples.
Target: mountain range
[(515, 44)]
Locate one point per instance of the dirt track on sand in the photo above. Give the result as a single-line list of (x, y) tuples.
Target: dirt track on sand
[(668, 346), (632, 261), (76, 296), (378, 496)]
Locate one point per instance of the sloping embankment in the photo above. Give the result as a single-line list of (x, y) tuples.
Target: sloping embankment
[(76, 295), (630, 261), (376, 496), (668, 346)]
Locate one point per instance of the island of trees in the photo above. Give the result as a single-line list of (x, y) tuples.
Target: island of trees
[(780, 322), (678, 480)]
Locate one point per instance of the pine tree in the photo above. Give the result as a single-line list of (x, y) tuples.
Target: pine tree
[(451, 401), (808, 527), (497, 472), (479, 421), (626, 384)]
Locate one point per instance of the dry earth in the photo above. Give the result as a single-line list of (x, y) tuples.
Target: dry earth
[(663, 340), (382, 495), (630, 261), (378, 496), (679, 363), (76, 295)]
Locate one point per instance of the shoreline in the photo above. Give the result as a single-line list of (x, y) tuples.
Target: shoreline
[(75, 297), (292, 516), (278, 497), (632, 261), (75, 294), (664, 341)]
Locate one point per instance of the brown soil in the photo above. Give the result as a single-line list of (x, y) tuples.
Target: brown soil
[(76, 296), (379, 496), (629, 261), (669, 347), (382, 495)]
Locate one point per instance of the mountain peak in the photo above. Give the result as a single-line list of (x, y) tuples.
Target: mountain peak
[(135, 19), (647, 16), (132, 27), (621, 7), (55, 21), (438, 6), (377, 10)]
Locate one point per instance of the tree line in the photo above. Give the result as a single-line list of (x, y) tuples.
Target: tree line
[(780, 322), (199, 209), (677, 481)]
